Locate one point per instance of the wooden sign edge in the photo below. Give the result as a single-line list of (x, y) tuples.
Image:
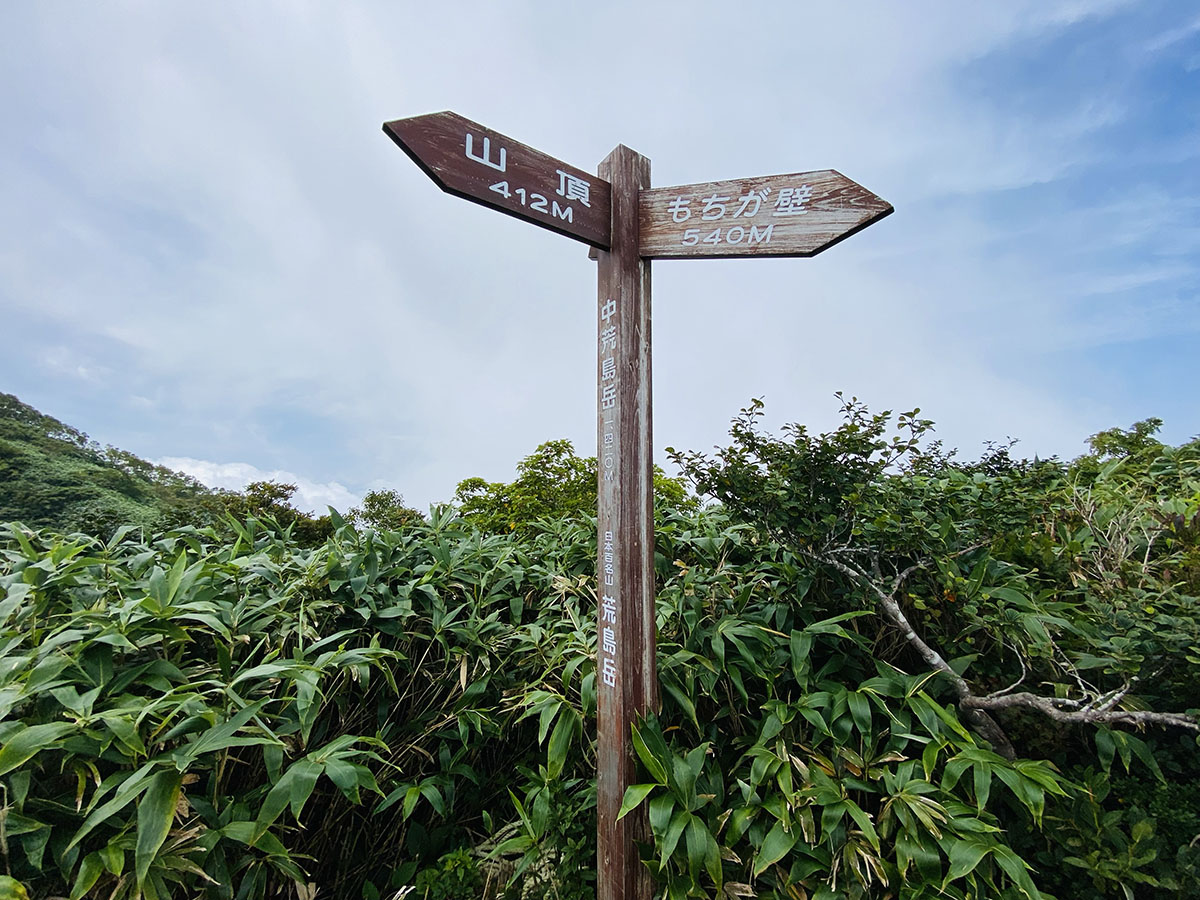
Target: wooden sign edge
[(436, 179), (882, 214)]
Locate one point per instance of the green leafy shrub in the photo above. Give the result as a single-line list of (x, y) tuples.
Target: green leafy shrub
[(227, 712)]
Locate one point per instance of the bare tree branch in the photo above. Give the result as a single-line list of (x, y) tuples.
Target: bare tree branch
[(984, 724), (974, 708), (1024, 672), (1085, 715)]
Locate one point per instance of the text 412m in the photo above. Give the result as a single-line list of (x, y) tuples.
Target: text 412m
[(536, 202)]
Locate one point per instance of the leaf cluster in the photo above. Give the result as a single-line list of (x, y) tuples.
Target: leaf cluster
[(552, 483)]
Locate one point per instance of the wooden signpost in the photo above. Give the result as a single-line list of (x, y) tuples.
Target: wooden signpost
[(630, 223)]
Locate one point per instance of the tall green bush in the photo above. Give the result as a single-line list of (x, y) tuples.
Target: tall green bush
[(227, 713)]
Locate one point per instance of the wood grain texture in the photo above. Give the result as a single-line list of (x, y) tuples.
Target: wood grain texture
[(625, 563), (468, 160), (775, 215)]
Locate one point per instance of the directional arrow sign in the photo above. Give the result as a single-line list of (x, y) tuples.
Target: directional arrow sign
[(478, 164), (775, 215)]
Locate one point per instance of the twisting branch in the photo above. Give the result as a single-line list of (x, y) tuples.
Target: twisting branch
[(1024, 673), (984, 724), (1101, 711), (1085, 715)]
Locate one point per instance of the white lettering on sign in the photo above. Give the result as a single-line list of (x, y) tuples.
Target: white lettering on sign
[(486, 156), (608, 625), (608, 338), (609, 671), (608, 388), (734, 235), (607, 629), (608, 396), (535, 201), (609, 641), (755, 197), (680, 209), (608, 457), (792, 200), (714, 208), (574, 188)]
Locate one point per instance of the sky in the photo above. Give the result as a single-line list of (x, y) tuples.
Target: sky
[(212, 256)]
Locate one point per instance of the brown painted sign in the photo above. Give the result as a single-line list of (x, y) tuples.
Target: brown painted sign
[(775, 215), (478, 164)]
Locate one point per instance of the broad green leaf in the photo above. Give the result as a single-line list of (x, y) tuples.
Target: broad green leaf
[(831, 817), (983, 785), (155, 813), (175, 578), (113, 857), (634, 795), (775, 846), (800, 645), (1142, 752), (560, 740), (685, 702), (244, 833), (712, 859), (129, 788), (739, 822), (964, 856), (921, 850), (1017, 870), (949, 720), (265, 670), (679, 822), (860, 710), (344, 775), (697, 844), (222, 737), (653, 766), (125, 731), (89, 873), (22, 746), (863, 820), (292, 789), (659, 810), (430, 792), (411, 798), (546, 718), (929, 757)]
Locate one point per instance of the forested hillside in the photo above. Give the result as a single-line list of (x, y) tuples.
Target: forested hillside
[(885, 673), (55, 476)]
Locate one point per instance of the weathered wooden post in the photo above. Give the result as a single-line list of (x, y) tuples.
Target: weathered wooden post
[(628, 224), (627, 678)]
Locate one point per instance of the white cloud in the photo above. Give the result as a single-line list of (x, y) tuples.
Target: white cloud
[(1171, 36), (222, 213), (70, 362), (310, 496)]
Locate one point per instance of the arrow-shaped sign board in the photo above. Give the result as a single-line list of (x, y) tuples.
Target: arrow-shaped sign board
[(775, 215), (476, 163)]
